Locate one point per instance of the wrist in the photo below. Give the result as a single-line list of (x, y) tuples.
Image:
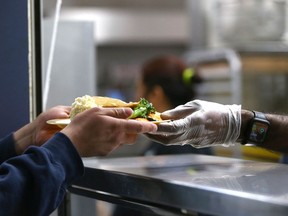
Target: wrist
[(246, 117), (23, 138)]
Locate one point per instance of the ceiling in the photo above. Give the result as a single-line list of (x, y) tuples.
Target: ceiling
[(49, 5)]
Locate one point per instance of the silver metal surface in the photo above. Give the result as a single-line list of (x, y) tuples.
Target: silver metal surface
[(74, 68), (191, 183)]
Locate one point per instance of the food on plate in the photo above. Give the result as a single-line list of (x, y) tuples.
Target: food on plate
[(143, 110)]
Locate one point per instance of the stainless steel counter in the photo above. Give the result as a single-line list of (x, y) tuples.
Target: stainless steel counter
[(185, 184)]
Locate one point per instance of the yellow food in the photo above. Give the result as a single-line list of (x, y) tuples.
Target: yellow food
[(86, 102)]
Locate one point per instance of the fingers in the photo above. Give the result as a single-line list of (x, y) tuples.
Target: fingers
[(56, 112), (98, 131), (165, 128), (137, 127), (113, 112), (65, 109), (178, 113), (164, 139), (60, 109), (130, 126), (173, 127)]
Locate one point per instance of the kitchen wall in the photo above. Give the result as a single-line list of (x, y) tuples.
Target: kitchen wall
[(148, 4), (128, 33), (131, 40)]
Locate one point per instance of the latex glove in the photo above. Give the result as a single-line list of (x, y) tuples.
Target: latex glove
[(200, 124)]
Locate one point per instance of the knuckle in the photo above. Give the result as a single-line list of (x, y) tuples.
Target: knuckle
[(139, 128), (118, 112)]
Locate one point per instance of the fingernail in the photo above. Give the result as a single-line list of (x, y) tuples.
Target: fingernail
[(128, 111), (155, 128)]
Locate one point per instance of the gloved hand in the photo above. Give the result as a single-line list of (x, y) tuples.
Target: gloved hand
[(200, 124)]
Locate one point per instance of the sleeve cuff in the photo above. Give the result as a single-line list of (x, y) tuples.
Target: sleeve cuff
[(7, 146), (63, 152)]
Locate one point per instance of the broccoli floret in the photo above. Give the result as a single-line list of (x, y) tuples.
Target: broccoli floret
[(143, 109)]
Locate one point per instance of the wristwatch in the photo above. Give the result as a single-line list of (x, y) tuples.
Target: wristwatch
[(257, 130)]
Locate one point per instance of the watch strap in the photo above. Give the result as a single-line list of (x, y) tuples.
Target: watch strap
[(259, 115)]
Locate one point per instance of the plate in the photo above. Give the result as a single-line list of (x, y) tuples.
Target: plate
[(64, 122), (155, 122), (161, 121), (59, 122)]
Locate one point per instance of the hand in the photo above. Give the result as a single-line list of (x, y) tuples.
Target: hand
[(200, 124), (98, 131), (44, 131), (38, 131)]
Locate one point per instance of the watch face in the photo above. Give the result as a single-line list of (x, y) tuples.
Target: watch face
[(258, 132)]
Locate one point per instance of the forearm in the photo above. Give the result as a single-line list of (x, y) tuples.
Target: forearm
[(36, 181), (277, 137)]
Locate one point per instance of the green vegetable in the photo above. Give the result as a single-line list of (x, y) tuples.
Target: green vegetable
[(143, 109)]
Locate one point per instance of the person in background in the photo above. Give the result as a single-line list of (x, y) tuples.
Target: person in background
[(38, 162), (166, 81)]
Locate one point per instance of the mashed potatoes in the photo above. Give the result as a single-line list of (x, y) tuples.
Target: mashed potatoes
[(81, 104)]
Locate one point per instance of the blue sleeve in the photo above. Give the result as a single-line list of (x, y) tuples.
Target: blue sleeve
[(7, 148), (35, 182)]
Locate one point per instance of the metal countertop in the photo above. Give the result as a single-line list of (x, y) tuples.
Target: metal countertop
[(190, 183)]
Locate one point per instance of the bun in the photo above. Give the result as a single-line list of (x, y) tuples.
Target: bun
[(87, 102), (142, 110)]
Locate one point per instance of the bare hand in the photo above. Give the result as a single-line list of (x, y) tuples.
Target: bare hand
[(44, 131), (38, 131), (98, 131)]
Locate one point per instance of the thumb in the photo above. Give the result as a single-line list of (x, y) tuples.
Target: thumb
[(178, 113), (122, 113)]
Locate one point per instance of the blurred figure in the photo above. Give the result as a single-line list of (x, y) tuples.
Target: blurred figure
[(166, 81)]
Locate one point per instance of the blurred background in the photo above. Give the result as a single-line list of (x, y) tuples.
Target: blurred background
[(239, 47), (124, 33), (98, 47)]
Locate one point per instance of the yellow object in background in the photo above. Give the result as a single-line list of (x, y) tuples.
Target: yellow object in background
[(248, 153), (260, 154)]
